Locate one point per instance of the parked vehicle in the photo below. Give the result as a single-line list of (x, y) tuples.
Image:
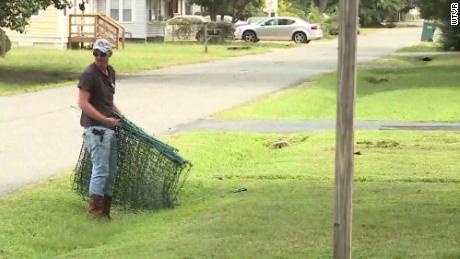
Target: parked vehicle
[(240, 23), (280, 28), (250, 20), (257, 19)]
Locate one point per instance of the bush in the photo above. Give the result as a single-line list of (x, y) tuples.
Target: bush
[(328, 21), (450, 36), (331, 24), (7, 47), (219, 32), (314, 15)]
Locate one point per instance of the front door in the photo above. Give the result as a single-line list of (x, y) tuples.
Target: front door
[(171, 8)]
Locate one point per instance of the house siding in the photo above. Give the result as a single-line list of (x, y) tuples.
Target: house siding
[(101, 7), (45, 27), (155, 29), (138, 27)]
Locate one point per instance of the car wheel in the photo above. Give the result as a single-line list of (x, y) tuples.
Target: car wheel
[(249, 36), (300, 37)]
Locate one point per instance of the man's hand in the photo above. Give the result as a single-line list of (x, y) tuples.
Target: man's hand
[(112, 122)]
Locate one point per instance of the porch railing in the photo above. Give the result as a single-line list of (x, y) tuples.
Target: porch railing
[(86, 28)]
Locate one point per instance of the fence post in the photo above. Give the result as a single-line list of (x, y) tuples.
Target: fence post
[(96, 27), (206, 37), (69, 43)]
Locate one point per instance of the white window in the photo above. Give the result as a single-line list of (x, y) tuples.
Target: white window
[(121, 10), (127, 10), (115, 9)]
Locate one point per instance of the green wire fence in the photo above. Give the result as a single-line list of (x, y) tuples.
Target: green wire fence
[(150, 173)]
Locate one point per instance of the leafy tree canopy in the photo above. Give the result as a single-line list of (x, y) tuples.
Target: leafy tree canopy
[(239, 9), (440, 10), (14, 14), (374, 12)]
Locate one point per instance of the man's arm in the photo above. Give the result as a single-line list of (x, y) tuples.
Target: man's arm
[(88, 109)]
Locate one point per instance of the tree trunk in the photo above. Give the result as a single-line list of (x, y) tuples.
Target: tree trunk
[(213, 13), (321, 4)]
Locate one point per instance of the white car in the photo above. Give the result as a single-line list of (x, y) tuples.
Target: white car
[(250, 20), (280, 28)]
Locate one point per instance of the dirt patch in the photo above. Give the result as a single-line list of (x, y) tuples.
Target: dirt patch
[(283, 142), (387, 144), (279, 143), (377, 79), (380, 143)]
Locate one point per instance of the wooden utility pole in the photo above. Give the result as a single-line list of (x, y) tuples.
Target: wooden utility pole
[(346, 93)]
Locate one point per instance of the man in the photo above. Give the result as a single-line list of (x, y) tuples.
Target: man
[(96, 90)]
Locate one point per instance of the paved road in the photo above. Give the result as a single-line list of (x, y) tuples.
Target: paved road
[(40, 135)]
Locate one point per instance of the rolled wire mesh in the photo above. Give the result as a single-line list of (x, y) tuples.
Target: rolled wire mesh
[(150, 173)]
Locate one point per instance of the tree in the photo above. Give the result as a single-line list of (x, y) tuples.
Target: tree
[(241, 9), (305, 5), (212, 6), (440, 10), (374, 12), (322, 5), (14, 14), (238, 9), (289, 8)]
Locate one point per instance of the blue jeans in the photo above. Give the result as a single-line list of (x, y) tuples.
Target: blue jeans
[(102, 144)]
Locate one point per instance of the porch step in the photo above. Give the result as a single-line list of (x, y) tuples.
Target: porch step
[(86, 28)]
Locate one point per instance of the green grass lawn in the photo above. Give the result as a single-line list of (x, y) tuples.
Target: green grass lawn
[(405, 203), (405, 195), (423, 47), (32, 69), (395, 88), (367, 31)]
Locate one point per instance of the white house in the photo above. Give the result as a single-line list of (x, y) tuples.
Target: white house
[(141, 18)]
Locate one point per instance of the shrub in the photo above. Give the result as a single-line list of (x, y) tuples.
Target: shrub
[(7, 47), (450, 36), (219, 32), (330, 25)]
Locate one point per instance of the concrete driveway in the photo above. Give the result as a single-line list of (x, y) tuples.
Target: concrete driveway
[(40, 134)]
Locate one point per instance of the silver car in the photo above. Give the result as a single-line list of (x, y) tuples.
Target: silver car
[(280, 28)]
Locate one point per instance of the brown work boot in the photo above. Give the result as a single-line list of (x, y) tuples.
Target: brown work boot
[(107, 206), (96, 206)]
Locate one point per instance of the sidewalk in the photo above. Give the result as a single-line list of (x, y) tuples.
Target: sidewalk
[(297, 126)]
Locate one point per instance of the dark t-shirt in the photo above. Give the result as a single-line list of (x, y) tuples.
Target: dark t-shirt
[(101, 88)]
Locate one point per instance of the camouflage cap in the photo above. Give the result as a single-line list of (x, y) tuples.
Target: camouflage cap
[(103, 45)]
